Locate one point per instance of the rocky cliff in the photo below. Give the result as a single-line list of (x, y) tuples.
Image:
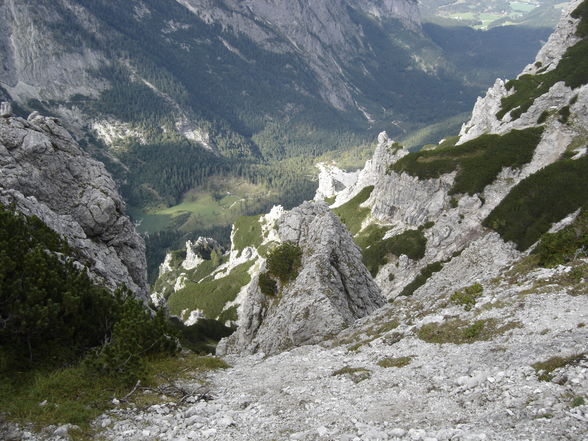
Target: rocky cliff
[(442, 218), (44, 172), (332, 290)]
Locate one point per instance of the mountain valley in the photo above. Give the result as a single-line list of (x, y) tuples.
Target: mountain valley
[(431, 294)]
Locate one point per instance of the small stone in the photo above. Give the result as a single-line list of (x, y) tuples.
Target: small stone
[(5, 109), (208, 433), (62, 431), (416, 434), (297, 436), (43, 403), (322, 431), (397, 432), (225, 421), (115, 402)]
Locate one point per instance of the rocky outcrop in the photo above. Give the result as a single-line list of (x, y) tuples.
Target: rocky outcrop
[(484, 118), (333, 180), (43, 172), (331, 291)]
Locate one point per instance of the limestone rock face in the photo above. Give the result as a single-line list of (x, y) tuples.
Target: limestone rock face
[(324, 32), (332, 290), (333, 180), (45, 173), (484, 118)]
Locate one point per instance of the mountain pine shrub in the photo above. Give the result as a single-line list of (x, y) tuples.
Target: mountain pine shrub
[(477, 162), (52, 314), (284, 261)]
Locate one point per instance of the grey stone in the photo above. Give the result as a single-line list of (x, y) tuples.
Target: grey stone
[(331, 291), (5, 109), (46, 174)]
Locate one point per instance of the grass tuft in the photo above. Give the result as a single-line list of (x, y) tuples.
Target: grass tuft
[(395, 362), (461, 332), (467, 297), (545, 368)]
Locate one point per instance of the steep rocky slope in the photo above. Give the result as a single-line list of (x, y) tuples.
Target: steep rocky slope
[(464, 211), (44, 172), (481, 339)]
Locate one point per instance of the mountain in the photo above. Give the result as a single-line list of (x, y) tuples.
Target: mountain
[(432, 295), (468, 206), (479, 246), (45, 173), (170, 94)]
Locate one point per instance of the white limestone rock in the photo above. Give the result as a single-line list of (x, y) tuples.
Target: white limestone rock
[(333, 180), (200, 250), (484, 118), (5, 109), (331, 291)]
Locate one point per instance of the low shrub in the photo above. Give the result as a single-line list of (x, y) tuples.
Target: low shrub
[(543, 198), (572, 69), (564, 246), (477, 162), (284, 261), (467, 297), (422, 278), (375, 249), (267, 285)]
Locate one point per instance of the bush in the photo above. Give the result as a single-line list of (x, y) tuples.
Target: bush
[(422, 278), (545, 197), (284, 261), (477, 162), (135, 336), (467, 297), (267, 285), (564, 246), (53, 314), (375, 249)]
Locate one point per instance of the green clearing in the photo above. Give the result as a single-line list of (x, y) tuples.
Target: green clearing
[(217, 204), (210, 296), (522, 7)]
